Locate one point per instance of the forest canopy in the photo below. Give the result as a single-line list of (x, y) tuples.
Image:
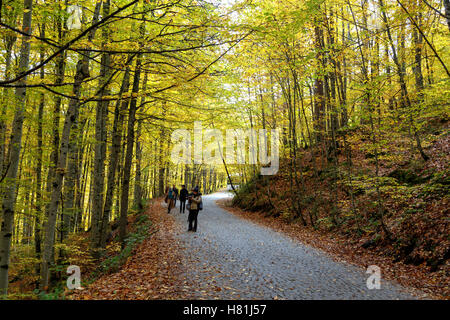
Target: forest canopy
[(91, 92)]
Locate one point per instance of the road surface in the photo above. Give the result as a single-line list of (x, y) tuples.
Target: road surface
[(233, 258)]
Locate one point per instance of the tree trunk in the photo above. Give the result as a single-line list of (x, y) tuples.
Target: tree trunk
[(447, 12), (401, 74), (15, 143), (137, 179), (417, 68), (38, 204), (319, 97), (162, 168), (9, 43), (121, 106), (129, 154), (82, 72), (98, 175)]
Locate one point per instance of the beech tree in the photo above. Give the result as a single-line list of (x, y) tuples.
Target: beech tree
[(9, 192), (87, 114)]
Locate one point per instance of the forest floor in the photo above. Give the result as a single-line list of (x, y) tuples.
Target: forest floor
[(152, 272), (231, 258)]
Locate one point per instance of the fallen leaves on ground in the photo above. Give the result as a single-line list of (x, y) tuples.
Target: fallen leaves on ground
[(153, 272)]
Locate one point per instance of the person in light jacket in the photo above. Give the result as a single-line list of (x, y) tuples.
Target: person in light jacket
[(194, 201)]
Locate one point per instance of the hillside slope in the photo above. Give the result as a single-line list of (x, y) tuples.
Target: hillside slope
[(402, 215)]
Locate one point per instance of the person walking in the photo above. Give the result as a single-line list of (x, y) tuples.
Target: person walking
[(183, 197), (171, 196), (175, 190), (195, 202)]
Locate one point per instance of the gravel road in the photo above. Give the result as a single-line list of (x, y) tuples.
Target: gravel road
[(232, 258)]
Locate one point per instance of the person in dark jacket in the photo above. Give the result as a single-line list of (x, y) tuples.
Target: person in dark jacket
[(194, 200), (183, 197)]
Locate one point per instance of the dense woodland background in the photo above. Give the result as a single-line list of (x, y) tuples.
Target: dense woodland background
[(360, 90)]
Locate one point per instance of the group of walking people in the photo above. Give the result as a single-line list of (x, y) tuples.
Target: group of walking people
[(194, 203)]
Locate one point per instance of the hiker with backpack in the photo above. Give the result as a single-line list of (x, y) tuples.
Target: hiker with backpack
[(171, 197), (194, 206), (175, 190)]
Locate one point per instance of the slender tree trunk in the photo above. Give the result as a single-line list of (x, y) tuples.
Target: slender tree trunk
[(82, 72), (9, 43), (98, 175), (38, 205), (162, 168), (71, 117), (71, 180), (342, 76), (319, 96), (121, 106), (417, 40), (81, 195), (137, 179), (447, 12), (401, 74), (59, 71), (16, 144), (129, 154)]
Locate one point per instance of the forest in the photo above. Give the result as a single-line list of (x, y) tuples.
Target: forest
[(92, 92)]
